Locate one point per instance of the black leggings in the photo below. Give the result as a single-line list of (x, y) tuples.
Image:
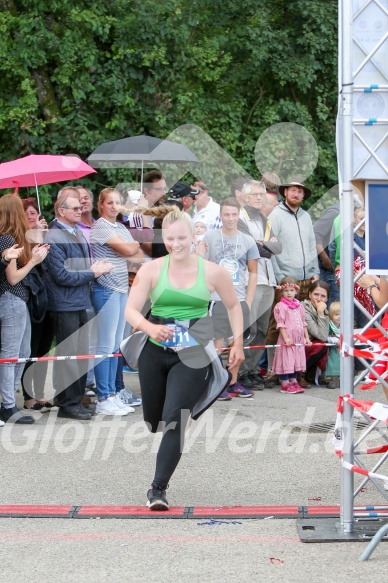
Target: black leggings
[(170, 389)]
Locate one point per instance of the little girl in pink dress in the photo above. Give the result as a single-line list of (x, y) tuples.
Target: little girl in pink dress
[(289, 360)]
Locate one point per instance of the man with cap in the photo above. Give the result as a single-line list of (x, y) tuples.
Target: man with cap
[(206, 209), (294, 230), (184, 193)]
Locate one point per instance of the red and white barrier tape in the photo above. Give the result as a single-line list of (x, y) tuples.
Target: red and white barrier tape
[(358, 470), (378, 350), (51, 358), (370, 450), (92, 356), (374, 410)]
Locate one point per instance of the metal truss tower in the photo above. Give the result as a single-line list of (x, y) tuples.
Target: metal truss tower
[(362, 144)]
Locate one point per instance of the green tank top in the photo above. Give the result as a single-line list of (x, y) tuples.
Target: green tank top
[(180, 304)]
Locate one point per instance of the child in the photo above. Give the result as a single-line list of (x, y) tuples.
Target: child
[(200, 230), (333, 363), (289, 360)]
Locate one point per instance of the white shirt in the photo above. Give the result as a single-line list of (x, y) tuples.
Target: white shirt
[(208, 215)]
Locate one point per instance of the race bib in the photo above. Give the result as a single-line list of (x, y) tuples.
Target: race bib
[(181, 339), (231, 266)]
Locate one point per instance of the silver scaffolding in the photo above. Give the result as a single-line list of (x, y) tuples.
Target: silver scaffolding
[(362, 145)]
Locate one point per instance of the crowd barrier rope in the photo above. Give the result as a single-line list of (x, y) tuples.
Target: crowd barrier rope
[(116, 355)]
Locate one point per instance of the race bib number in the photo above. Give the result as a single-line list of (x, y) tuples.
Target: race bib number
[(181, 339), (231, 266)]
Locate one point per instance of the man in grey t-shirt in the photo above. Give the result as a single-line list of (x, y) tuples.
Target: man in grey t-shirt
[(237, 252)]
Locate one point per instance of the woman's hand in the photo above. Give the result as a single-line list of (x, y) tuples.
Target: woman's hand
[(307, 342), (159, 332), (41, 224), (236, 356), (319, 306), (13, 252), (39, 253), (366, 280), (287, 341)]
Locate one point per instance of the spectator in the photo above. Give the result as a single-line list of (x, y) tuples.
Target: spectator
[(42, 334), (334, 246), (111, 241), (87, 221), (360, 319), (14, 316), (205, 209), (38, 226), (270, 203), (85, 224), (294, 230), (377, 288), (68, 275), (138, 225), (290, 359), (323, 229), (237, 189), (182, 192), (154, 187), (333, 363), (272, 182), (238, 254), (200, 230), (317, 319), (254, 223)]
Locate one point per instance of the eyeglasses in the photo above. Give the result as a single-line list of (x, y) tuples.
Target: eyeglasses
[(160, 189), (72, 208), (256, 194)]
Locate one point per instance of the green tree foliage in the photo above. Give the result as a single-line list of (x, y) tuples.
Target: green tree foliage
[(76, 74)]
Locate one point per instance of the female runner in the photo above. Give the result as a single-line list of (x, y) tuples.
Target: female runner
[(174, 367)]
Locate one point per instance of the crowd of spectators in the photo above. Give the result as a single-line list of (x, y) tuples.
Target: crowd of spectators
[(285, 272)]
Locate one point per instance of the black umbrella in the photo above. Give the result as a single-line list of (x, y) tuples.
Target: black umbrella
[(123, 153)]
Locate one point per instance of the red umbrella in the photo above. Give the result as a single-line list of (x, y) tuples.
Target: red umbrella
[(39, 169)]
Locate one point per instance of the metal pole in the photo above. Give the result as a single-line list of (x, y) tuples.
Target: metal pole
[(380, 534), (346, 210)]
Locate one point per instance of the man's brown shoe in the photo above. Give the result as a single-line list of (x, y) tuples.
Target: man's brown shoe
[(302, 381)]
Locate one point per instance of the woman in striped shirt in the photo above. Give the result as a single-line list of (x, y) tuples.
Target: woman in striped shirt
[(111, 240)]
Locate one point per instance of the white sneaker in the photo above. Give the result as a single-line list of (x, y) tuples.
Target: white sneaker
[(108, 407), (120, 405), (1, 423), (385, 485)]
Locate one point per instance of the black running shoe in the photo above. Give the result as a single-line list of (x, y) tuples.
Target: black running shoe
[(246, 380), (157, 499)]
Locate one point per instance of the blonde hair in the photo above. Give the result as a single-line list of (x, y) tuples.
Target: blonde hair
[(333, 309), (104, 194), (158, 212), (176, 215)]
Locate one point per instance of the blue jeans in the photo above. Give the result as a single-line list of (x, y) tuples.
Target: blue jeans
[(109, 306), (329, 277), (15, 343), (90, 313)]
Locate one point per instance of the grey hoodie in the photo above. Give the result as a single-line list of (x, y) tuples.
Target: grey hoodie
[(299, 253)]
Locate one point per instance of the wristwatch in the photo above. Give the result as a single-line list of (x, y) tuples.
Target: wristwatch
[(4, 261), (370, 287)]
